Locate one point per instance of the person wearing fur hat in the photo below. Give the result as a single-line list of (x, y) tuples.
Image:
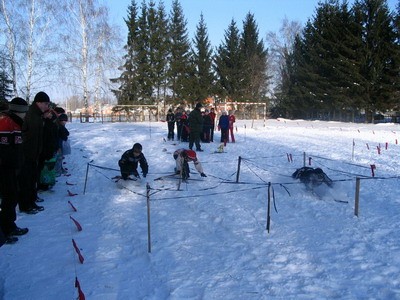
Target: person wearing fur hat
[(32, 137), (11, 158), (182, 158), (129, 161)]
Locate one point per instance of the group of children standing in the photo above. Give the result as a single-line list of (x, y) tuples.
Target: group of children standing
[(180, 118)]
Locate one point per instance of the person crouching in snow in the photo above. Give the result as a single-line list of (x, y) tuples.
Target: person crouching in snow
[(182, 158), (312, 177), (129, 161)]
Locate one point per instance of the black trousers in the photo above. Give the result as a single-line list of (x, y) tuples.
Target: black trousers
[(171, 126), (224, 135), (9, 199), (28, 180), (194, 138)]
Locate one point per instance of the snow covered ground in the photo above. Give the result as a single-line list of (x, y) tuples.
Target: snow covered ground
[(209, 239)]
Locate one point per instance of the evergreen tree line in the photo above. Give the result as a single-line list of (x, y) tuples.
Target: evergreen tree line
[(344, 63), (162, 64)]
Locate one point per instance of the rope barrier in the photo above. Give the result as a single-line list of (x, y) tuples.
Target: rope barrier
[(255, 185)]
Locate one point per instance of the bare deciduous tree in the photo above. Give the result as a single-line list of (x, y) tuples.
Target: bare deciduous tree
[(280, 45), (29, 36), (89, 47)]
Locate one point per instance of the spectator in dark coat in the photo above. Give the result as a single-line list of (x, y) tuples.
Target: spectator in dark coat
[(129, 162), (196, 127), (185, 127), (11, 160), (171, 124), (207, 125), (223, 125), (32, 137), (50, 143)]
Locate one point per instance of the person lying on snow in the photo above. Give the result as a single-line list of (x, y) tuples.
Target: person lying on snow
[(312, 177), (182, 157), (129, 161)]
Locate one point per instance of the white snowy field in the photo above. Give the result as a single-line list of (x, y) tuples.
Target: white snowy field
[(209, 238)]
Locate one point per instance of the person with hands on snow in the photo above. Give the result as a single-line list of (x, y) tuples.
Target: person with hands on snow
[(182, 158), (129, 161)]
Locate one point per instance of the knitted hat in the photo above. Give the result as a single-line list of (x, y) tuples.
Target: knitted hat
[(191, 154), (59, 110), (199, 105), (41, 97), (18, 105), (63, 117), (137, 147)]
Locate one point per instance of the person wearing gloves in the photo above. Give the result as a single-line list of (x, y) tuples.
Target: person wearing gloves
[(129, 161), (182, 158)]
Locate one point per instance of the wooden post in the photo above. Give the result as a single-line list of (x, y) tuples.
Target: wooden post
[(148, 219), (357, 197), (269, 207), (238, 169), (87, 171)]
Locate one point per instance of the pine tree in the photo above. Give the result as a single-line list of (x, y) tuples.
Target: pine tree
[(255, 65), (379, 56), (202, 57), (158, 48), (127, 92), (142, 60), (229, 65), (181, 69)]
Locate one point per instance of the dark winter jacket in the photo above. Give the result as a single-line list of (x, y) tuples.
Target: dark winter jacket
[(32, 133), (170, 117), (195, 121), (50, 139), (11, 152), (178, 116), (63, 135), (129, 163), (312, 177)]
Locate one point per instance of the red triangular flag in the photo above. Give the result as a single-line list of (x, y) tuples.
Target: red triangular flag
[(73, 207), (81, 259), (71, 194), (81, 295), (78, 226)]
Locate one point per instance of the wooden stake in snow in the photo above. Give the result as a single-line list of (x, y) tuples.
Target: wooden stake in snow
[(269, 208), (238, 169), (148, 219), (357, 197)]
